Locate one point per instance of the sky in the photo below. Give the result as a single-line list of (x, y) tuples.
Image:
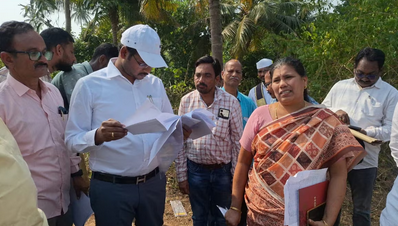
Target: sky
[(11, 10)]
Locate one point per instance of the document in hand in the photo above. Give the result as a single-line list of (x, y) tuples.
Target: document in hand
[(199, 120), (169, 138), (365, 138), (149, 119), (312, 202), (302, 179)]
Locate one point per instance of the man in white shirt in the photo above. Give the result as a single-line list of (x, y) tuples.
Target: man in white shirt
[(368, 102), (125, 185), (260, 93), (389, 215)]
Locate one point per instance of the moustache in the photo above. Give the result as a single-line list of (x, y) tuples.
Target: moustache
[(202, 84), (40, 64)]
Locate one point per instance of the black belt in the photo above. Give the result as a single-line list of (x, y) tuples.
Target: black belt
[(211, 166), (116, 179)]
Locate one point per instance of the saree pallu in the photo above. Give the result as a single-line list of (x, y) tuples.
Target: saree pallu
[(311, 138)]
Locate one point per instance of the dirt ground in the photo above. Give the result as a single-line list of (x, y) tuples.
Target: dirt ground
[(387, 173)]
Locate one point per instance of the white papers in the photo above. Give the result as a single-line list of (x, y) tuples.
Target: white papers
[(293, 184), (169, 140), (166, 148), (222, 210), (149, 119), (199, 120), (81, 209)]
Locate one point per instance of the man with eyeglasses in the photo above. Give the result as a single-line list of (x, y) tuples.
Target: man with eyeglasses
[(33, 55), (125, 185), (262, 93), (365, 101), (29, 107)]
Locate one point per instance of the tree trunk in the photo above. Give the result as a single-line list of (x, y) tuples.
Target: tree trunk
[(114, 18), (216, 29), (68, 26)]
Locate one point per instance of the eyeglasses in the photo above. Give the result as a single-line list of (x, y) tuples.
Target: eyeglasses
[(143, 65), (267, 84), (35, 55), (362, 75)]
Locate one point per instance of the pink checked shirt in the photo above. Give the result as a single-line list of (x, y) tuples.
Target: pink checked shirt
[(39, 131), (222, 146)]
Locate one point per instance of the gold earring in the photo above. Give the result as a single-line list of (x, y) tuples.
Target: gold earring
[(305, 87)]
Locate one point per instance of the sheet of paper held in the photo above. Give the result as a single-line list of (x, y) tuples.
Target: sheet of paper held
[(222, 210), (167, 146), (293, 184), (149, 119), (199, 120)]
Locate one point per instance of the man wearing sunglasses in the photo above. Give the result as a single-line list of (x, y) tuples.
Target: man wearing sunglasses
[(365, 101), (29, 108)]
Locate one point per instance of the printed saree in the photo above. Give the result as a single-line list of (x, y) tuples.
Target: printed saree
[(311, 138)]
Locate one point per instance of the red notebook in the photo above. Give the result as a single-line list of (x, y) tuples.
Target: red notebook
[(311, 200)]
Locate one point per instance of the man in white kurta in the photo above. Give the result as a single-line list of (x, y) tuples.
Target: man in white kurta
[(368, 102)]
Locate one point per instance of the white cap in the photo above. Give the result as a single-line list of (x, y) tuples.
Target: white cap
[(264, 63), (147, 43)]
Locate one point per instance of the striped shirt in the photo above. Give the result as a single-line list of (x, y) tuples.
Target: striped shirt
[(222, 146)]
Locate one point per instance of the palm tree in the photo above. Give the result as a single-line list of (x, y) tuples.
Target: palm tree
[(37, 12), (257, 18), (216, 29), (124, 13)]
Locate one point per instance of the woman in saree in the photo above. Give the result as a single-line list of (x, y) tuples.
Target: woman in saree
[(287, 137)]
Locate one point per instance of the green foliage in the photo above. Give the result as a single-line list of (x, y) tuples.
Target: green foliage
[(90, 39), (326, 41), (328, 44)]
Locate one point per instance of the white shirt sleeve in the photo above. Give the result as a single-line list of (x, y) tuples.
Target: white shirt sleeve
[(394, 136), (79, 136), (383, 132), (252, 95), (328, 101)]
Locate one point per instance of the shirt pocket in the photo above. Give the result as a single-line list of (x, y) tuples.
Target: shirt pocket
[(58, 122), (157, 101), (222, 128), (372, 107)]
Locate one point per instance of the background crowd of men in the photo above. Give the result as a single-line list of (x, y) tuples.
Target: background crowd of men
[(76, 113)]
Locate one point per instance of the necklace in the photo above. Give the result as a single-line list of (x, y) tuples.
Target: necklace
[(277, 105), (276, 111)]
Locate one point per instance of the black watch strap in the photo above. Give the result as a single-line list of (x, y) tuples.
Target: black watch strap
[(77, 174)]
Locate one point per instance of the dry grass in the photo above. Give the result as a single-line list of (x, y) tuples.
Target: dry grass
[(386, 175)]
